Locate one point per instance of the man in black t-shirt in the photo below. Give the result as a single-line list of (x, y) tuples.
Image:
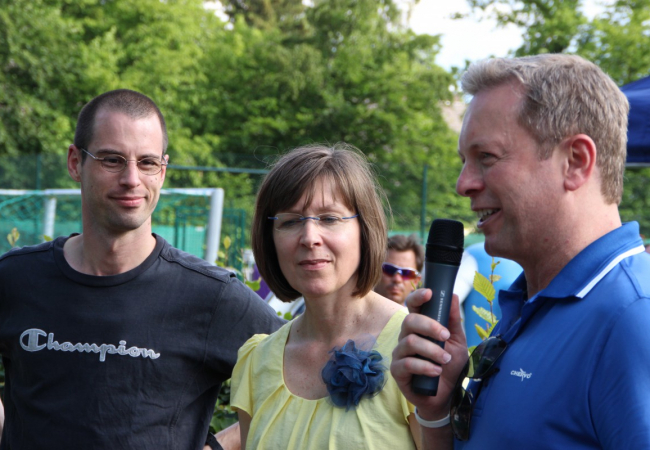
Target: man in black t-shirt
[(113, 339)]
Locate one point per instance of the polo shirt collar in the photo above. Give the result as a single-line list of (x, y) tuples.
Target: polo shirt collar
[(576, 279), (587, 268)]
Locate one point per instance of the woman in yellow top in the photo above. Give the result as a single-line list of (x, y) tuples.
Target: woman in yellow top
[(322, 381)]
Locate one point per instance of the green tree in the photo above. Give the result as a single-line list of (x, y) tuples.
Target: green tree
[(45, 68), (351, 74), (548, 26), (55, 55), (636, 203), (287, 15), (278, 75), (616, 39)]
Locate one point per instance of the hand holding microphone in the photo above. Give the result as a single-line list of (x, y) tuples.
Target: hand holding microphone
[(444, 251)]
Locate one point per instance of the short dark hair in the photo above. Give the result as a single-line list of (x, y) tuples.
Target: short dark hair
[(402, 243), (297, 173), (125, 101)]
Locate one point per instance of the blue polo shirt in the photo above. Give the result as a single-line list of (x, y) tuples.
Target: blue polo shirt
[(576, 372)]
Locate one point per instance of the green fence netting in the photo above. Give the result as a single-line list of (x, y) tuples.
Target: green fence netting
[(180, 218)]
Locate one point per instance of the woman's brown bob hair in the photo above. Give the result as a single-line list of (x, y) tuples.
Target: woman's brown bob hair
[(297, 173)]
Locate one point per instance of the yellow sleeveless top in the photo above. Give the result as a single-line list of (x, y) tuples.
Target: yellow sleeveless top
[(282, 420)]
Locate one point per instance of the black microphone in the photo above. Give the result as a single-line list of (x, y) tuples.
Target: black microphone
[(442, 259)]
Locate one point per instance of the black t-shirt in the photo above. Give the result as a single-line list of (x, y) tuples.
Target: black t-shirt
[(131, 361)]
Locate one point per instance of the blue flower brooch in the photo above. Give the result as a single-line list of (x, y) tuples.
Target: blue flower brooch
[(352, 374)]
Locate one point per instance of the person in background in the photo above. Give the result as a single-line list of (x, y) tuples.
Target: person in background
[(112, 338), (543, 146), (322, 380), (401, 268)]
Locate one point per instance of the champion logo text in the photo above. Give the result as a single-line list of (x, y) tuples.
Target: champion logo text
[(30, 342)]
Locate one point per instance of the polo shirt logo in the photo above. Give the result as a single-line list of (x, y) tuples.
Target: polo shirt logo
[(521, 373)]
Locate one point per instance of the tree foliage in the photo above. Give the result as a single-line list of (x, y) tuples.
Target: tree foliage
[(549, 26), (615, 39), (276, 74)]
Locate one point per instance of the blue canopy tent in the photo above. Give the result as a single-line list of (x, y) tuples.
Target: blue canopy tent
[(638, 133)]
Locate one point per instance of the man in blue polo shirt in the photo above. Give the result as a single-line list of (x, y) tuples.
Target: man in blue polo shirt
[(543, 149)]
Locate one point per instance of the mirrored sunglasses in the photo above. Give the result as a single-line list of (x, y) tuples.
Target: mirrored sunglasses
[(406, 273)]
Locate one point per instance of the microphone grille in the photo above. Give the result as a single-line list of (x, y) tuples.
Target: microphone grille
[(445, 242)]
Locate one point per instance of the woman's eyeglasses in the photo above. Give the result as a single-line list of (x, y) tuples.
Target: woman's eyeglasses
[(407, 274), (293, 223), (479, 367)]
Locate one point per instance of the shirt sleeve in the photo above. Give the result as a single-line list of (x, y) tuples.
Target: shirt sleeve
[(242, 385), (239, 314), (620, 391)]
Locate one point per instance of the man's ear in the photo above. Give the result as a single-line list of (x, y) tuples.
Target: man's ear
[(581, 156), (74, 162)]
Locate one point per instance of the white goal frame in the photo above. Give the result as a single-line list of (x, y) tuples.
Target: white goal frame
[(215, 214)]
